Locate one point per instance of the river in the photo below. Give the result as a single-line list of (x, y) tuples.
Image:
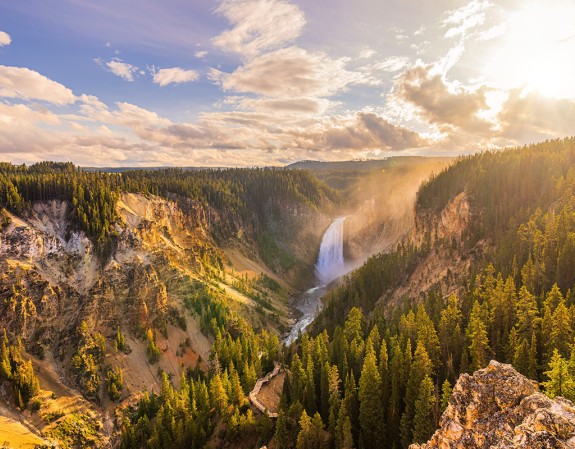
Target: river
[(329, 266)]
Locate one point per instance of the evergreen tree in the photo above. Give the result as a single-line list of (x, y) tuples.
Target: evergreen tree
[(446, 390), (218, 395), (420, 368), (561, 380), (346, 436), (450, 335), (427, 335), (478, 340), (384, 373), (312, 435), (5, 366), (371, 419), (334, 400), (423, 422)]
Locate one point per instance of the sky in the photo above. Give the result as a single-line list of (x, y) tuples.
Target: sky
[(269, 82)]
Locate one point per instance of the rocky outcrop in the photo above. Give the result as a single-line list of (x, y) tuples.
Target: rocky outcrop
[(448, 225), (499, 408)]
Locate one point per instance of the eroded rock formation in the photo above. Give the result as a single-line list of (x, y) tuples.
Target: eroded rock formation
[(499, 408)]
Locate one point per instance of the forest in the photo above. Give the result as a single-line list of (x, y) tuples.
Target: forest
[(247, 196), (371, 372), (516, 305)]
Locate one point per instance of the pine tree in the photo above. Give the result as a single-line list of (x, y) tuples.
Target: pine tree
[(423, 422), (287, 426), (527, 314), (446, 390), (325, 390), (310, 400), (478, 340), (5, 366), (396, 392), (312, 435), (352, 401), (371, 419), (334, 400), (346, 436), (450, 335), (420, 368), (218, 395), (561, 331), (384, 373), (374, 337), (427, 335), (561, 380), (353, 328)]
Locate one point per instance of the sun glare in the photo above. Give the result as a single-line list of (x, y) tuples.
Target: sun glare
[(538, 50)]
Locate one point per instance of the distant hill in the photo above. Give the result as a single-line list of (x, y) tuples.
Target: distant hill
[(364, 165), (125, 169)]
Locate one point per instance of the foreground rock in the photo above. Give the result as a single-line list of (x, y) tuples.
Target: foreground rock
[(499, 408)]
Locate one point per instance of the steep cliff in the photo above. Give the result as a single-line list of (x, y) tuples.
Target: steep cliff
[(445, 256), (497, 407), (81, 316)]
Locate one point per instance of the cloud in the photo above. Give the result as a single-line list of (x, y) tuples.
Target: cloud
[(365, 131), (290, 72), (5, 39), (175, 75), (392, 64), (26, 84), (442, 104), (122, 69), (268, 131), (312, 106), (532, 116), (258, 25), (367, 53), (201, 54), (463, 19)]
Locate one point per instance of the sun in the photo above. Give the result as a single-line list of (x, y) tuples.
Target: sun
[(537, 50)]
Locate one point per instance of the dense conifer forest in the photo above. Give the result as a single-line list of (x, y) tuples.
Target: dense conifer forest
[(377, 375), (247, 195), (372, 372)]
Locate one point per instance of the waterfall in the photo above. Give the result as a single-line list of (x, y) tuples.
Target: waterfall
[(330, 263)]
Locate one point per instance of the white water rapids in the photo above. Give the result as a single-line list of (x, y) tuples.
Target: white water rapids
[(329, 266)]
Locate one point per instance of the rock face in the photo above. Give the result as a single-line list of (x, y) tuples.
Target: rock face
[(499, 408)]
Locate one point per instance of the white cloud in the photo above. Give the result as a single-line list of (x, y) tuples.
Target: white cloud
[(392, 64), (367, 53), (446, 105), (130, 114), (175, 75), (311, 106), (21, 82), (201, 54), (288, 73), (258, 25), (122, 69), (5, 39), (463, 19)]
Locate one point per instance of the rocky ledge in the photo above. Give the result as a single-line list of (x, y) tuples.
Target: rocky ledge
[(498, 408)]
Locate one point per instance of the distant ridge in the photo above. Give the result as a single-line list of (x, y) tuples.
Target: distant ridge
[(124, 169), (372, 164), (353, 165)]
